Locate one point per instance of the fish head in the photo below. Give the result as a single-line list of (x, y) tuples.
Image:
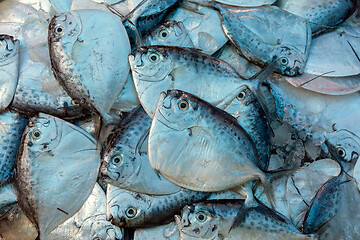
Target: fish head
[(243, 99), (150, 64), (64, 28), (171, 33), (43, 133), (118, 165), (126, 209), (9, 47), (98, 229), (289, 61), (198, 222), (177, 110)]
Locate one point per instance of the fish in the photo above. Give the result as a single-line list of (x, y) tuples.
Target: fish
[(200, 147), (230, 219), (76, 43), (163, 232), (259, 35), (136, 210), (170, 33), (203, 25), (238, 3), (332, 214), (126, 162), (323, 16), (128, 99), (12, 126), (9, 69), (55, 158), (205, 77)]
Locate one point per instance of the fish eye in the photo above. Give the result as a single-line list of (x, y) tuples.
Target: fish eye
[(163, 34), (183, 105), (154, 57), (201, 216), (117, 159), (341, 152), (36, 134), (59, 30), (130, 212), (242, 95), (284, 61), (96, 238)]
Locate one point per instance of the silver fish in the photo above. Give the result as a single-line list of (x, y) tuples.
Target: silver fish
[(232, 220), (200, 147), (133, 210), (170, 33), (7, 198), (58, 159), (128, 99), (259, 35), (164, 232), (75, 50), (126, 162), (12, 126), (323, 15), (9, 69)]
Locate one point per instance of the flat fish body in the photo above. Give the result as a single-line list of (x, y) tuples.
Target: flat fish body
[(58, 159), (200, 147), (136, 210), (231, 220), (170, 33), (333, 213), (203, 25), (323, 16), (12, 126), (75, 53), (9, 69), (128, 99), (126, 161), (258, 33)]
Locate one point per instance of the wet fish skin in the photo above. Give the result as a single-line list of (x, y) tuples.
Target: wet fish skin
[(59, 159), (7, 198), (170, 33), (12, 126), (134, 210), (323, 16), (207, 155), (9, 68), (290, 59), (126, 162)]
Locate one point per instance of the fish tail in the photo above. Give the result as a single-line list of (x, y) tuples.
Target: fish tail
[(268, 191)]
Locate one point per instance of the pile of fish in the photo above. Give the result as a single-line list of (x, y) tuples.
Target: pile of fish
[(179, 120)]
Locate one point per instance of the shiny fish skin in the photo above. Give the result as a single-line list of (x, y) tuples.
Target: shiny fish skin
[(55, 159), (129, 146), (212, 151), (7, 198), (259, 35), (133, 210), (232, 220), (12, 126), (323, 15), (75, 52), (9, 69), (170, 33), (164, 232)]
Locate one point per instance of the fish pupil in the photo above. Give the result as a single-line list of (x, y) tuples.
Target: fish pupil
[(59, 30), (201, 217), (183, 105), (164, 34), (153, 58), (341, 152), (36, 134)]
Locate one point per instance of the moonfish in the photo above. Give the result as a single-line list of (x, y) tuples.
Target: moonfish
[(230, 219), (200, 147), (170, 33), (75, 49), (9, 69), (134, 210), (58, 159), (7, 198), (163, 232), (258, 33), (12, 126), (126, 161)]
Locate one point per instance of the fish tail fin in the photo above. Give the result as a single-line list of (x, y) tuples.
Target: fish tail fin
[(269, 192), (264, 73)]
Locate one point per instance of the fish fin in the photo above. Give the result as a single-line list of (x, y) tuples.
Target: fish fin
[(264, 73), (141, 146), (188, 6), (269, 192)]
